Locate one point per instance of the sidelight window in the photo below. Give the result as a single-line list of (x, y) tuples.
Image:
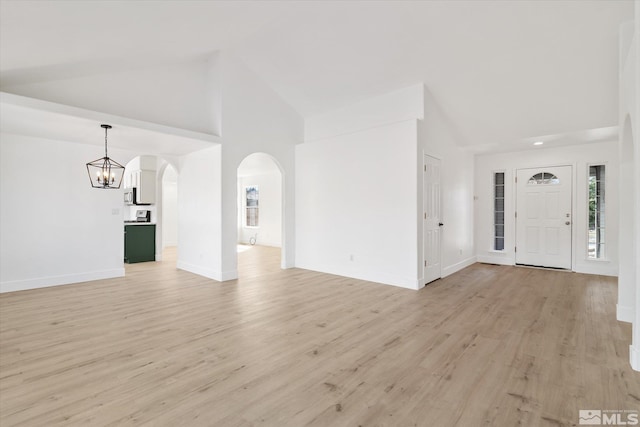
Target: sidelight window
[(596, 236), (498, 211), (252, 196)]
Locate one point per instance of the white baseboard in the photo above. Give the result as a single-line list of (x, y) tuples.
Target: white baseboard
[(368, 275), (196, 269), (624, 313), (66, 279), (634, 358), (489, 259), (600, 268), (219, 276), (228, 275), (288, 260), (596, 268), (384, 278), (449, 270)]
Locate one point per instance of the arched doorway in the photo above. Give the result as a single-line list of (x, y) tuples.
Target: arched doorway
[(157, 178), (260, 215)]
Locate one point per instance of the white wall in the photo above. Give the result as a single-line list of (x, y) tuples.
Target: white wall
[(254, 119), (577, 156), (169, 202), (269, 230), (626, 279), (435, 136), (403, 104), (356, 205), (181, 95), (61, 230), (199, 213), (438, 138)]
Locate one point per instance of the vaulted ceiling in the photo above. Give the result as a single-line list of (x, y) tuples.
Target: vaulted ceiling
[(500, 71)]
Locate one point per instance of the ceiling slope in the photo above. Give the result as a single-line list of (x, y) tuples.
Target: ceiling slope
[(500, 71)]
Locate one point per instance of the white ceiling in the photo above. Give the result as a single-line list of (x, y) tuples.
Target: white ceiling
[(500, 71), (26, 116)]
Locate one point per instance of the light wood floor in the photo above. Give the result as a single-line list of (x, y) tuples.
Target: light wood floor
[(490, 345)]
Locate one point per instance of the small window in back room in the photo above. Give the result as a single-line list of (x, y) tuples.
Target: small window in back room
[(252, 196), (596, 237), (498, 211)]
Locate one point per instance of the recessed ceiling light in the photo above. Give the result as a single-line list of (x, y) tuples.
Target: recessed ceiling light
[(538, 143)]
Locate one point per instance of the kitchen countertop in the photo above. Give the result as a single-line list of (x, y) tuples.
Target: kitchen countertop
[(139, 223)]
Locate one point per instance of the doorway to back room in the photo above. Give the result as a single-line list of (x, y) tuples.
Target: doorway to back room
[(260, 216), (169, 210)]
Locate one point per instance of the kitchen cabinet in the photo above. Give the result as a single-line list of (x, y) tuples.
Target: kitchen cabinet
[(131, 178), (139, 243), (146, 181)]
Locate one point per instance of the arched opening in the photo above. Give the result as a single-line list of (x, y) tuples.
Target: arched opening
[(151, 198), (260, 215), (140, 211)]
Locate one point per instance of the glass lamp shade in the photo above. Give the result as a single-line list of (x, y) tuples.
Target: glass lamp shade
[(105, 173)]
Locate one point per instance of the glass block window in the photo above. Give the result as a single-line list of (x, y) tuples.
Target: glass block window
[(543, 178), (596, 238), (498, 211), (252, 196)]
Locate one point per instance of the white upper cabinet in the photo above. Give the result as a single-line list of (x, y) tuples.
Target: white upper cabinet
[(146, 185), (140, 173)]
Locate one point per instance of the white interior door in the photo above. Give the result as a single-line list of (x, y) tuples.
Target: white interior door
[(543, 217), (432, 218)]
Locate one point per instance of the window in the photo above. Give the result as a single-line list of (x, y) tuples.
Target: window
[(596, 240), (498, 211), (251, 206), (543, 178)]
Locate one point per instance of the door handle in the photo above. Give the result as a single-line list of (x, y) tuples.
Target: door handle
[(568, 223), (440, 224)]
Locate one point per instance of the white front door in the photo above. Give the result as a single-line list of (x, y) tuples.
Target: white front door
[(543, 217), (431, 222)]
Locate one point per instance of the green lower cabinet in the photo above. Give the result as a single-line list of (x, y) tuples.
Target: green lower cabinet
[(139, 243)]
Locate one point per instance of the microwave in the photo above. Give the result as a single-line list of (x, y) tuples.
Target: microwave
[(130, 196)]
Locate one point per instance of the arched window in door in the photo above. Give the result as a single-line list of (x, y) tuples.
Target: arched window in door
[(543, 178)]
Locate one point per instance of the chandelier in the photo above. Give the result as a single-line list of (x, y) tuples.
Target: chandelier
[(105, 173)]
